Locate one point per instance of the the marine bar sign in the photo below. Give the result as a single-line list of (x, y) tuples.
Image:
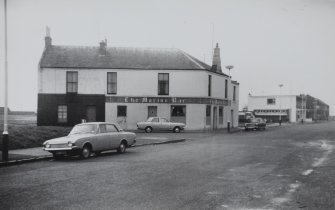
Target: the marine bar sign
[(167, 100)]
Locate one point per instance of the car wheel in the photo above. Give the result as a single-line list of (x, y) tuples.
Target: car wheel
[(148, 129), (176, 130), (86, 152), (122, 147)]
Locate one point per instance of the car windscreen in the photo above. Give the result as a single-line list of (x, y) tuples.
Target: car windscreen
[(80, 129)]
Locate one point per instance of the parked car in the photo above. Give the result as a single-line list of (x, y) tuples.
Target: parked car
[(86, 138), (160, 124), (255, 124)]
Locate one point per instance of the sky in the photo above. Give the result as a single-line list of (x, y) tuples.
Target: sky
[(269, 42)]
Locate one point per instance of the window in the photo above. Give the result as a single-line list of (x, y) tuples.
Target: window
[(234, 93), (209, 85), (163, 120), (208, 115), (102, 128), (71, 82), (122, 111), (110, 128), (220, 115), (111, 82), (226, 88), (62, 113), (178, 111), (271, 101), (155, 120), (163, 84)]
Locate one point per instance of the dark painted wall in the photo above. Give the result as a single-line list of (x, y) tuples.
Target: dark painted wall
[(76, 108)]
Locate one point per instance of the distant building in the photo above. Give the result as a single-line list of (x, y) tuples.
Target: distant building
[(292, 108), (128, 85)]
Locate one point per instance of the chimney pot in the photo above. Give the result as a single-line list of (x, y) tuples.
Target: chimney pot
[(103, 47), (48, 40)]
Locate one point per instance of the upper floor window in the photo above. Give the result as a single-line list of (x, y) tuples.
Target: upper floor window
[(271, 101), (71, 82), (111, 82), (163, 84), (209, 85), (234, 93), (226, 88)]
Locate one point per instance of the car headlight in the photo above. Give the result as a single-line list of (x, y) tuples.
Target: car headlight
[(69, 144), (47, 145)]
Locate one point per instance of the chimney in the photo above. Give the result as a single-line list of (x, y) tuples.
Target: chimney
[(48, 40), (103, 47), (216, 59)]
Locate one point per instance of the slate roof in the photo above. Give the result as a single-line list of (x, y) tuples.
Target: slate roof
[(119, 58)]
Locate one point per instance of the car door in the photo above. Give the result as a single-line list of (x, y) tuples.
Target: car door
[(155, 123), (102, 140), (164, 124), (114, 136)]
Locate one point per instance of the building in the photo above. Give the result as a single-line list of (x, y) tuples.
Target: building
[(290, 108), (128, 85)]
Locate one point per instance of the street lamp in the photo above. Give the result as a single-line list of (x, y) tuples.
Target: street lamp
[(229, 68), (280, 86), (5, 122)]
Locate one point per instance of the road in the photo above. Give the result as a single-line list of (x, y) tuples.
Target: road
[(288, 167)]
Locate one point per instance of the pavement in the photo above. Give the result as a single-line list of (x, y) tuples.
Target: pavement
[(19, 156)]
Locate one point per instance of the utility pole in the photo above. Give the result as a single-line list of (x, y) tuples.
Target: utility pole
[(5, 122), (280, 86)]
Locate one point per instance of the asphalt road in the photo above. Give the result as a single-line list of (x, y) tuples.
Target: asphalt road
[(288, 167)]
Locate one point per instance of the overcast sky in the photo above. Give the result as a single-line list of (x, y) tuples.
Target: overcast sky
[(270, 42)]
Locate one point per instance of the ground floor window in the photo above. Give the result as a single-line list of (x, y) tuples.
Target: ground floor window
[(178, 114), (62, 113), (221, 115), (122, 111), (208, 115)]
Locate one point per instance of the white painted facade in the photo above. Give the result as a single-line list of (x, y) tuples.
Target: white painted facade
[(144, 83), (282, 102)]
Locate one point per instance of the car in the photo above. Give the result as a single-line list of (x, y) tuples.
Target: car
[(255, 124), (160, 124), (93, 137)]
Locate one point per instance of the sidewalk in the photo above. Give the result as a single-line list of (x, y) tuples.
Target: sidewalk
[(37, 153)]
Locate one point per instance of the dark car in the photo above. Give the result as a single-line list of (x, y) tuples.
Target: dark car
[(255, 124)]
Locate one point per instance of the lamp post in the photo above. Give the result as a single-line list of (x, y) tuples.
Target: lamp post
[(5, 123), (229, 68), (280, 86)]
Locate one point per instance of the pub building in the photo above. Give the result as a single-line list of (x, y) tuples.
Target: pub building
[(128, 85)]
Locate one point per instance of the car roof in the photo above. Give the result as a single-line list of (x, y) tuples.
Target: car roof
[(95, 123)]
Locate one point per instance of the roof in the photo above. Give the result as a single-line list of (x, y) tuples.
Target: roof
[(119, 58)]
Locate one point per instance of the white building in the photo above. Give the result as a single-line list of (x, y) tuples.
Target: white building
[(128, 85), (290, 108)]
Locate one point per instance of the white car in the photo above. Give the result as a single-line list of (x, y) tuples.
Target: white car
[(160, 124), (86, 138)]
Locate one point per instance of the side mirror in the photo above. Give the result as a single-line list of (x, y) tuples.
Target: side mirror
[(121, 130)]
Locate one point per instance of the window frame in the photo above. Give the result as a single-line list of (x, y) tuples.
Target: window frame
[(63, 114), (119, 111), (167, 83), (209, 85), (111, 90), (74, 84)]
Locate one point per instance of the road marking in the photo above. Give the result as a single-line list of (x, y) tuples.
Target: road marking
[(307, 172)]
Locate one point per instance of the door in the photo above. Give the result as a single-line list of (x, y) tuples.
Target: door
[(152, 111), (215, 118), (91, 114)]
